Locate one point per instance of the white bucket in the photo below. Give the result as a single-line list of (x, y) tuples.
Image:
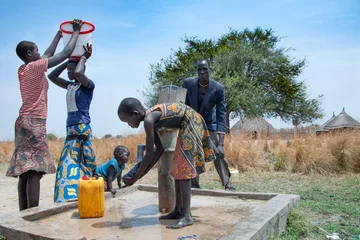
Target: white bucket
[(85, 36)]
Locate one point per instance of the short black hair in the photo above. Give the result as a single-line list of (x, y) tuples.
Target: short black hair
[(75, 63), (23, 47), (206, 60), (129, 105), (119, 148)]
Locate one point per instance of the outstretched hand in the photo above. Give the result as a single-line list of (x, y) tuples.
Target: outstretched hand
[(88, 50), (129, 181), (77, 24)]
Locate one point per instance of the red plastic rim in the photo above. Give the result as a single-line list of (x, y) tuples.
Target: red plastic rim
[(81, 32)]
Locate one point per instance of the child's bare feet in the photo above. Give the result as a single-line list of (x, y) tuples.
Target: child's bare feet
[(185, 221), (176, 214)]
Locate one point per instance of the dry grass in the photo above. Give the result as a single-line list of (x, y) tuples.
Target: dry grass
[(245, 155), (103, 148), (335, 153)]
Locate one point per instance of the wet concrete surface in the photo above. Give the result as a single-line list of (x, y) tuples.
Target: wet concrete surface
[(135, 216), (134, 213)]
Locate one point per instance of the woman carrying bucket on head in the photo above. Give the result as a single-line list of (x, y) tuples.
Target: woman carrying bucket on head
[(31, 158), (77, 157)]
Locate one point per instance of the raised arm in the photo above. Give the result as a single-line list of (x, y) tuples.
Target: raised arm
[(80, 67), (69, 48), (51, 49), (54, 76)]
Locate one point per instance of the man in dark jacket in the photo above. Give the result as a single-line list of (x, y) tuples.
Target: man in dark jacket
[(203, 94)]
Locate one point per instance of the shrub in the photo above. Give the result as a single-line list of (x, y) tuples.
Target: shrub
[(51, 137)]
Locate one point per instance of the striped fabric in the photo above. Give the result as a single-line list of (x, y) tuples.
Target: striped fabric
[(33, 88)]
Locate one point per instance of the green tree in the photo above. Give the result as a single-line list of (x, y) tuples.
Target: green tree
[(106, 136), (260, 78), (180, 65), (260, 81)]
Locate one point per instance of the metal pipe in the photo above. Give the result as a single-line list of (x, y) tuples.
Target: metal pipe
[(166, 184)]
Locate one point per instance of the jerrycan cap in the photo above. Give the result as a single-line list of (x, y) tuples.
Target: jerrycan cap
[(85, 178)]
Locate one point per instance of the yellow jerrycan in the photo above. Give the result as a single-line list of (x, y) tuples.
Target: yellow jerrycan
[(91, 197)]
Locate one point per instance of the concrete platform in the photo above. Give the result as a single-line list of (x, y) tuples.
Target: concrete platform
[(133, 214)]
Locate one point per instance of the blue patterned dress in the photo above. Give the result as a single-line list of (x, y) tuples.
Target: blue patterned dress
[(78, 156)]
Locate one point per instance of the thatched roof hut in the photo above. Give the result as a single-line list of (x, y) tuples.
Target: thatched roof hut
[(341, 121), (322, 127), (253, 126)]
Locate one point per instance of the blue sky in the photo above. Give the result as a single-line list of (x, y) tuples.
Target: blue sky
[(130, 35)]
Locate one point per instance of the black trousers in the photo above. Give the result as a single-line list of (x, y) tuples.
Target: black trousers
[(221, 165), (29, 189)]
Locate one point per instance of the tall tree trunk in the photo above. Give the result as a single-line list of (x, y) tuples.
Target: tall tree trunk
[(227, 121)]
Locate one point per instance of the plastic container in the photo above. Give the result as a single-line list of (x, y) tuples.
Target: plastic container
[(91, 197), (85, 36), (172, 94)]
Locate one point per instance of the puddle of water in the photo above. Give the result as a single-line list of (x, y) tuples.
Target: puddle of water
[(135, 216)]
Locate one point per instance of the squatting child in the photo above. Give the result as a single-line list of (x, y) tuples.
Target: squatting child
[(113, 168)]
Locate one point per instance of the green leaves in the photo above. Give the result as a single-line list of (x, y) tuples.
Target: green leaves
[(260, 78)]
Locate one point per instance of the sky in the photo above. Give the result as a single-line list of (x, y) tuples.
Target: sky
[(131, 35)]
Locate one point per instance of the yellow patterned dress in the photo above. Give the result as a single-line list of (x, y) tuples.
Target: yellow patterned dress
[(77, 159), (194, 146)]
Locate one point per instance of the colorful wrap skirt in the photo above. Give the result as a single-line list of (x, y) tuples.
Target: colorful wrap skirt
[(31, 148), (194, 146), (77, 159)]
